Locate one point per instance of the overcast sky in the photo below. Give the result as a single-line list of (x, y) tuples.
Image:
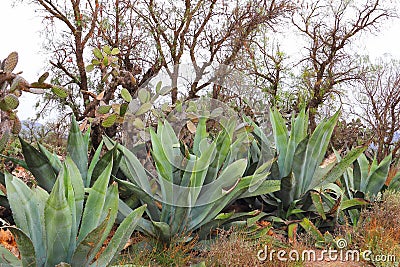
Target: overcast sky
[(20, 32)]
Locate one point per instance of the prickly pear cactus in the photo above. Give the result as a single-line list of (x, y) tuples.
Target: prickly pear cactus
[(11, 87), (10, 91)]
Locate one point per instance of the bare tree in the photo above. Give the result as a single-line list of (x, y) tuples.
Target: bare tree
[(379, 103), (329, 28), (151, 36), (265, 62), (206, 33)]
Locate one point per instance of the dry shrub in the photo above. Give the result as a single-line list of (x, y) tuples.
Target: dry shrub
[(146, 251), (379, 229), (238, 249)]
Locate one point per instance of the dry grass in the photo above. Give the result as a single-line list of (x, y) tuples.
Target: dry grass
[(379, 229), (148, 252), (237, 248)]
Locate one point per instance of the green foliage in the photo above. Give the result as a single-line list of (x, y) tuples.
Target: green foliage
[(192, 185), (45, 166), (59, 91), (368, 179), (307, 184), (61, 226)]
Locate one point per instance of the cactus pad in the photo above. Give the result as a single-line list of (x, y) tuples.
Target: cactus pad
[(17, 126), (109, 121), (103, 109), (11, 101), (59, 91), (10, 62)]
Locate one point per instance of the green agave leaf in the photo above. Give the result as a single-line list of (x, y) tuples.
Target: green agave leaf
[(26, 248), (77, 149), (163, 231), (298, 133), (338, 170), (52, 158), (223, 143), (86, 136), (287, 190), (163, 163), (354, 202), (280, 136), (267, 186), (90, 245), (19, 162), (120, 237), (93, 164), (7, 259), (361, 173), (201, 134), (316, 149), (310, 228), (78, 190), (58, 220), (102, 163), (28, 209), (152, 209), (200, 169), (95, 203), (317, 201), (133, 169), (377, 178), (215, 197), (394, 182), (144, 225), (39, 166), (299, 162), (111, 204)]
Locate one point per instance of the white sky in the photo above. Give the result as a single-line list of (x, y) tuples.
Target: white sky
[(20, 32)]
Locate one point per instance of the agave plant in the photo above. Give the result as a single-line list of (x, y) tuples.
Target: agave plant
[(61, 227), (192, 186), (366, 179), (45, 166), (307, 181)]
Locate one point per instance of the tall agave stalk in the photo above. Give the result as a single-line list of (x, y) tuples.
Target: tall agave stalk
[(61, 227), (193, 186)]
